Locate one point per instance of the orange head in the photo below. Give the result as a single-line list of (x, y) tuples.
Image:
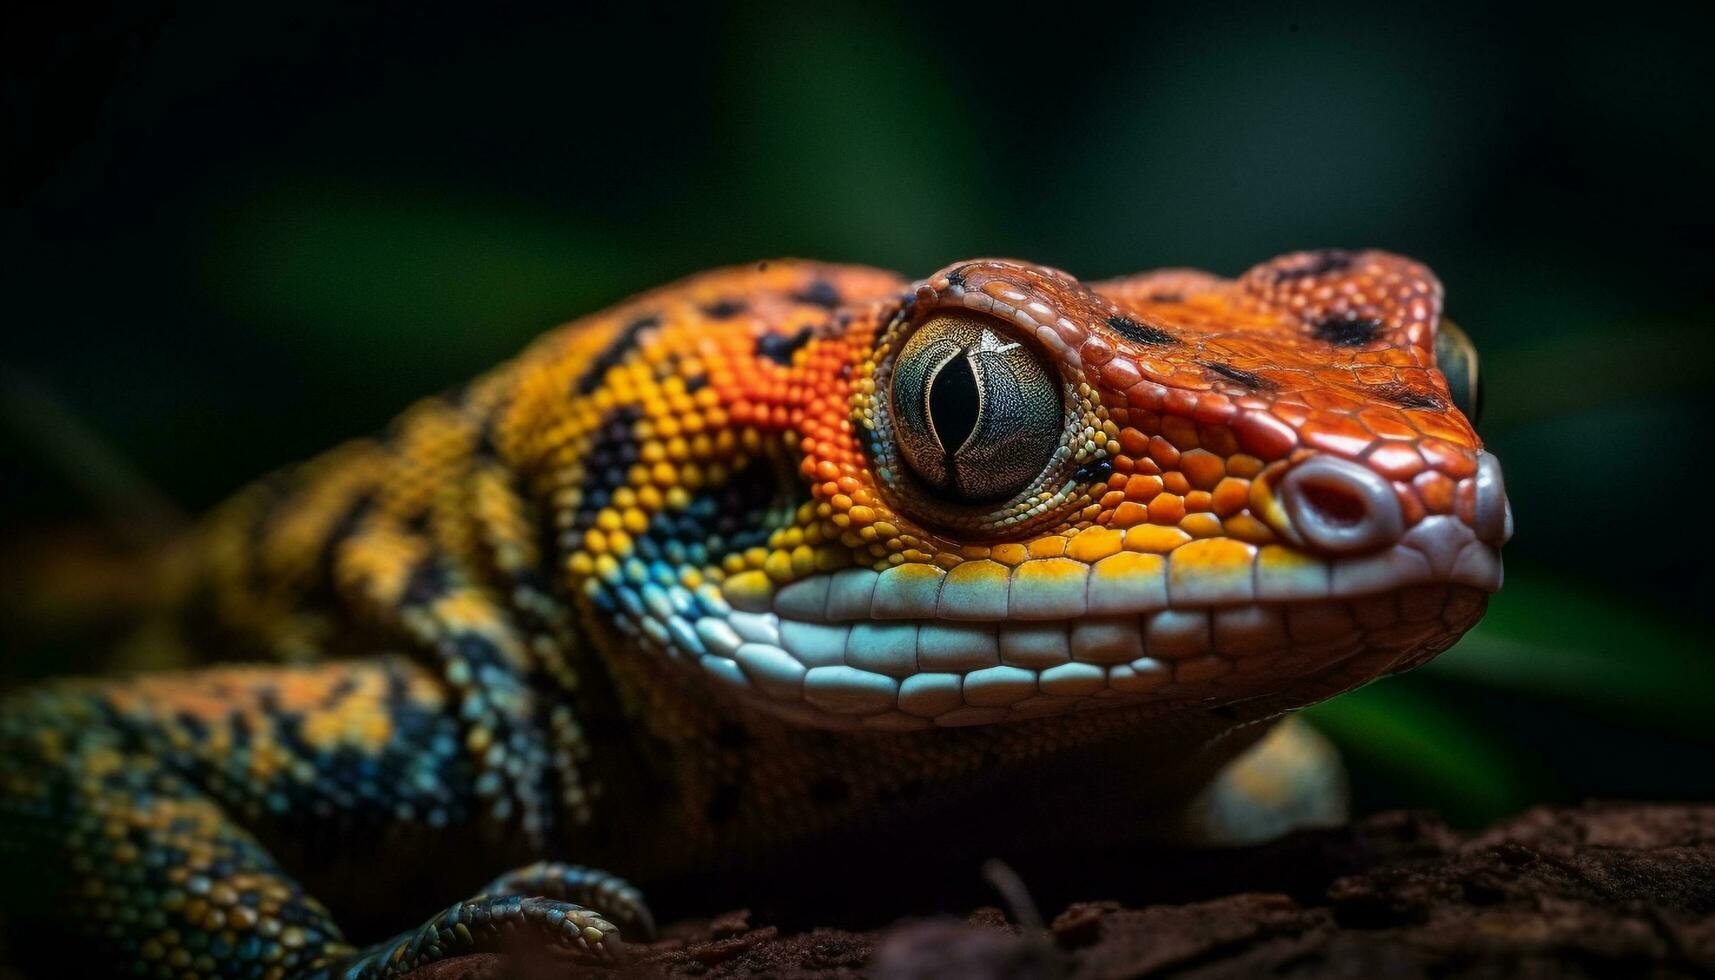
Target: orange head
[(1027, 495)]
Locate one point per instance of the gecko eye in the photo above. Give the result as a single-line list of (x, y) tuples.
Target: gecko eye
[(1457, 358), (978, 413)]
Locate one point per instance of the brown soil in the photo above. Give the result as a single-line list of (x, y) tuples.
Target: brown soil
[(1600, 890)]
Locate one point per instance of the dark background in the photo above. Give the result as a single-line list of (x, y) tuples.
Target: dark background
[(237, 233)]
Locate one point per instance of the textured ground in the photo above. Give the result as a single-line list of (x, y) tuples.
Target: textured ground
[(1602, 890)]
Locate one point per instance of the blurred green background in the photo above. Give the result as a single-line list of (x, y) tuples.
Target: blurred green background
[(236, 234)]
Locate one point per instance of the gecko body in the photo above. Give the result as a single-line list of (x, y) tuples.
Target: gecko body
[(777, 554)]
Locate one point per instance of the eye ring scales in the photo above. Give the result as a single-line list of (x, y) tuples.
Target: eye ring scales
[(979, 413)]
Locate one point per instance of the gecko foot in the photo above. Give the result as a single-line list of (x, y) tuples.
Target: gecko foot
[(593, 888), (504, 924)]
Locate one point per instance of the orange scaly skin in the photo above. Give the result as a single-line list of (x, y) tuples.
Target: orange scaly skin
[(775, 555)]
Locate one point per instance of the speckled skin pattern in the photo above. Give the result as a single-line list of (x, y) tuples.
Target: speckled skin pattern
[(664, 591)]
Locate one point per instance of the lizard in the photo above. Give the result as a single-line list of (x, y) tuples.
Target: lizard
[(784, 552)]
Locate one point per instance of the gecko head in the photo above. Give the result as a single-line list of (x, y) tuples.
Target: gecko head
[(1029, 496)]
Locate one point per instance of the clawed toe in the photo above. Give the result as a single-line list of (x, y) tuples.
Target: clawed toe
[(505, 924)]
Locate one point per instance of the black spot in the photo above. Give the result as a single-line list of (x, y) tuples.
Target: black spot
[(1166, 297), (476, 649), (1226, 711), (819, 293), (956, 278), (342, 530), (1347, 331), (1094, 471), (486, 448), (829, 790), (426, 583), (725, 309), (1254, 382), (723, 805), (1406, 396), (342, 689), (395, 686), (195, 727), (1142, 333), (614, 354), (1315, 264), (289, 732), (762, 266), (779, 347), (696, 383), (721, 520), (607, 467)]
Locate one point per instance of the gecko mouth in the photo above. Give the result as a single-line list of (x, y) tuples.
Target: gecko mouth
[(1213, 621)]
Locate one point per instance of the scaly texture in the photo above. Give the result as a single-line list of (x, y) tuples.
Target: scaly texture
[(765, 557)]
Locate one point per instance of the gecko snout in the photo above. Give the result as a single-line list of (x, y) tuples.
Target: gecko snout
[(1341, 507)]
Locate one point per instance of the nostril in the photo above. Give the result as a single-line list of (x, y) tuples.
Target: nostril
[(1336, 503), (1494, 516), (1339, 506)]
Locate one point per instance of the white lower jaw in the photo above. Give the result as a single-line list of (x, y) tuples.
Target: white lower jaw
[(812, 656), (902, 675)]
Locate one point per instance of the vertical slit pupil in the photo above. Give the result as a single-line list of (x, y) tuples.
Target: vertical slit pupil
[(953, 404)]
